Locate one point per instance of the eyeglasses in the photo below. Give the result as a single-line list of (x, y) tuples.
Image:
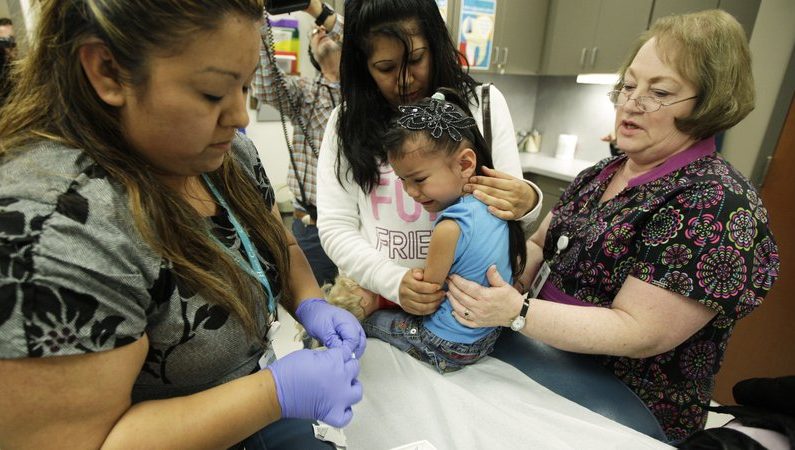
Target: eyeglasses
[(645, 104)]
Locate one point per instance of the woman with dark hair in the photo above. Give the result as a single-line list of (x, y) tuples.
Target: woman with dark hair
[(7, 51), (141, 253), (4, 74), (397, 52)]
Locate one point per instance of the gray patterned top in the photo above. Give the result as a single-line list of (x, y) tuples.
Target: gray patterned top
[(76, 276)]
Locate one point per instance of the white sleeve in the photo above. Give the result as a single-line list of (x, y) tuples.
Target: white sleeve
[(339, 224), (504, 151), (531, 217)]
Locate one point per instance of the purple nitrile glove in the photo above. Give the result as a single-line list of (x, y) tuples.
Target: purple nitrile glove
[(331, 325), (318, 384)]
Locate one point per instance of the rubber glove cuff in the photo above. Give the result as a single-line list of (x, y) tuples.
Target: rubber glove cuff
[(305, 306)]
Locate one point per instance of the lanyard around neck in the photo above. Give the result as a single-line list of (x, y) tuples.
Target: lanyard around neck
[(254, 268)]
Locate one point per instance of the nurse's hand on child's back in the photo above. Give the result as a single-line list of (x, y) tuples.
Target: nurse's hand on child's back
[(419, 297), (507, 197), (476, 306)]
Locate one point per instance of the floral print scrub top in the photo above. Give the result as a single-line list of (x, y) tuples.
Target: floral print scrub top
[(694, 226), (76, 277)]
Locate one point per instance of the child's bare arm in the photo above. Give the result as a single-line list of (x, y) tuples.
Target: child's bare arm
[(441, 251)]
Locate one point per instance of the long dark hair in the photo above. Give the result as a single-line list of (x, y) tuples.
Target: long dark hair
[(396, 135), (365, 112), (5, 75), (52, 99)]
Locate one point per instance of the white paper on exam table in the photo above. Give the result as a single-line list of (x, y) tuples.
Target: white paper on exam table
[(489, 405), (419, 445)]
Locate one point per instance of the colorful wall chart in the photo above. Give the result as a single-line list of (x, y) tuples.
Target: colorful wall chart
[(286, 43), (476, 31)]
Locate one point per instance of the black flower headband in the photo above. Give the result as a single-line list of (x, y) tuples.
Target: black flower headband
[(438, 116)]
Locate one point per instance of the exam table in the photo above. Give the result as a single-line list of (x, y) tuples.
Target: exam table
[(525, 395), (580, 379)]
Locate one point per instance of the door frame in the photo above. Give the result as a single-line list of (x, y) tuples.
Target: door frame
[(775, 125)]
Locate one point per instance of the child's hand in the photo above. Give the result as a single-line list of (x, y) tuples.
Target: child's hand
[(419, 297), (507, 197)]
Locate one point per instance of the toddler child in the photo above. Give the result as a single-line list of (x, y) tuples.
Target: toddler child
[(434, 147)]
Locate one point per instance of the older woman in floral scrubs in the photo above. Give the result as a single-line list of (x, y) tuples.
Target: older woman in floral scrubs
[(654, 254)]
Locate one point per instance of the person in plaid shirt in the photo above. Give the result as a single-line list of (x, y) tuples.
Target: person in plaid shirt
[(314, 99)]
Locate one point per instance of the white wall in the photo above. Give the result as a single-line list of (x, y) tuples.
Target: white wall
[(272, 149), (564, 106), (772, 44)]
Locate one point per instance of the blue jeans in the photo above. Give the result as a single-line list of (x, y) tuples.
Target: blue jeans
[(407, 333), (322, 267)]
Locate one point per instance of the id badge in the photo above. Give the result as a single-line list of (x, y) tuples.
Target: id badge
[(539, 280), (269, 355), (272, 329)]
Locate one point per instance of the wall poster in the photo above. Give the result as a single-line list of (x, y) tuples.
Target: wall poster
[(476, 31)]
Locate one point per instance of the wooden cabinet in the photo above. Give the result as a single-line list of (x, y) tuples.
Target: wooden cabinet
[(552, 188), (594, 36), (518, 35), (743, 10), (664, 8), (591, 36)]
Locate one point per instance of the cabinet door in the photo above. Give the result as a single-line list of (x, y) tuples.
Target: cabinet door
[(571, 25), (664, 8), (744, 11), (620, 24), (519, 36)]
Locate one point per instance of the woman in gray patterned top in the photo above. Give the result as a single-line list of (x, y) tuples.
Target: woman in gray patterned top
[(141, 256)]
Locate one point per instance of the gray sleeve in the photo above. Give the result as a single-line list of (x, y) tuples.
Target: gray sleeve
[(74, 275), (246, 153)]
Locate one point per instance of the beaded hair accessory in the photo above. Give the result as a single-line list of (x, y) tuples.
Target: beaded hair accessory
[(439, 116)]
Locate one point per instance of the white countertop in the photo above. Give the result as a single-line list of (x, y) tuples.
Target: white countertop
[(550, 166)]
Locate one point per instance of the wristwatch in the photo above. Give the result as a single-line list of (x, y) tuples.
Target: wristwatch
[(321, 18), (518, 322)]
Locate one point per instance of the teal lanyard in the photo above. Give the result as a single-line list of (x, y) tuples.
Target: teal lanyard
[(254, 268)]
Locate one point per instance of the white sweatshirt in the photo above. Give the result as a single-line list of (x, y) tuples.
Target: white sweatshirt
[(373, 238)]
